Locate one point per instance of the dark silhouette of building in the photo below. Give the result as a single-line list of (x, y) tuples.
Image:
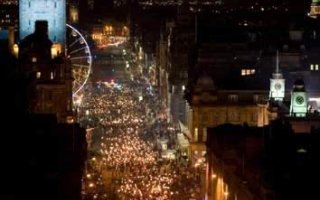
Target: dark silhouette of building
[(50, 88), (42, 157), (273, 162)]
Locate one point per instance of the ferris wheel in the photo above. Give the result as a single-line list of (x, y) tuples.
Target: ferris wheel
[(79, 55)]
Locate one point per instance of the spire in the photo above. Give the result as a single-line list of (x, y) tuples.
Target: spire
[(277, 62), (277, 74)]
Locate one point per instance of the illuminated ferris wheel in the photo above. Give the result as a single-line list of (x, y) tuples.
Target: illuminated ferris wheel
[(79, 55)]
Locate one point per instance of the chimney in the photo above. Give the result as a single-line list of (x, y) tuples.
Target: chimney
[(41, 27)]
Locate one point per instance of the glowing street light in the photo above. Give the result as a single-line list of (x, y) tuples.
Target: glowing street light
[(91, 185)]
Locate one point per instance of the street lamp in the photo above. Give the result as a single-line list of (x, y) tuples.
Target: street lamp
[(91, 185)]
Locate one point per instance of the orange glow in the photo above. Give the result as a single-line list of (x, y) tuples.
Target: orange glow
[(16, 50), (56, 50)]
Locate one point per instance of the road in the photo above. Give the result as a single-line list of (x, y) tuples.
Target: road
[(126, 156)]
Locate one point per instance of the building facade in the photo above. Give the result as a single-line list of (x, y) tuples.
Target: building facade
[(212, 107)]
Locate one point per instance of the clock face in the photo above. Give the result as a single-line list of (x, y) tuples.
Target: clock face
[(277, 86), (299, 100)]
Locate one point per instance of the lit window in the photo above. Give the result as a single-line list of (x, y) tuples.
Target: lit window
[(247, 72), (256, 98), (316, 67), (311, 67), (34, 59), (233, 98), (38, 75), (233, 116), (51, 75), (195, 134)]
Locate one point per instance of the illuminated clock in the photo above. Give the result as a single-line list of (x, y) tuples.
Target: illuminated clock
[(299, 100), (277, 86)]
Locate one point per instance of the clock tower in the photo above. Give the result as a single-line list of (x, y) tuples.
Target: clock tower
[(299, 101), (277, 83)]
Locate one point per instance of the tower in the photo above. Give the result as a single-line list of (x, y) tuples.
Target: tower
[(315, 9), (277, 83), (299, 102), (52, 11)]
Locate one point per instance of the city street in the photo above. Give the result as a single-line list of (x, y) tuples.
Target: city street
[(133, 151)]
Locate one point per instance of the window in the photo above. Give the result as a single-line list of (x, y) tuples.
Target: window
[(243, 72), (247, 72), (68, 105), (256, 98), (314, 67), (51, 75), (233, 116), (38, 75), (196, 134), (233, 98)]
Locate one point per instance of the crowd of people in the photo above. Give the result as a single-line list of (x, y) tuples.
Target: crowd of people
[(130, 123)]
